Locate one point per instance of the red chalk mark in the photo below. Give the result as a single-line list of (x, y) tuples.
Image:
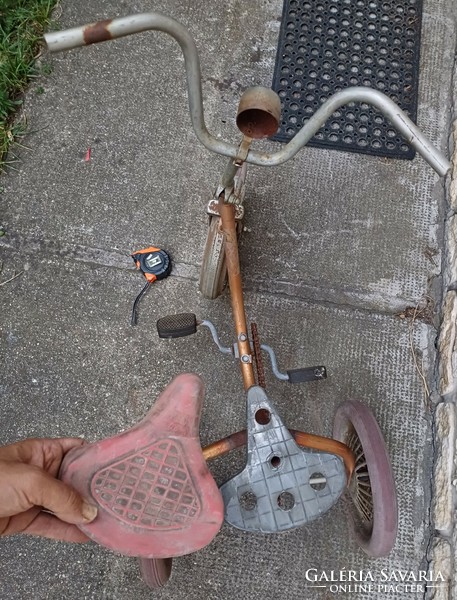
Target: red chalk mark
[(87, 157)]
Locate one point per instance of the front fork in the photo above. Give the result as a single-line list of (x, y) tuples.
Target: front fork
[(227, 213)]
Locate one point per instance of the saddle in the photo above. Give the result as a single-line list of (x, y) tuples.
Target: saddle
[(155, 495)]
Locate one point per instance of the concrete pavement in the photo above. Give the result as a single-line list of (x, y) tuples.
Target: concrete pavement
[(338, 252)]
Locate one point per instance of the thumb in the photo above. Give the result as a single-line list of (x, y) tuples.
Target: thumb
[(59, 498)]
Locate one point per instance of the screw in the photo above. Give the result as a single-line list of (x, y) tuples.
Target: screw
[(245, 358), (242, 337)]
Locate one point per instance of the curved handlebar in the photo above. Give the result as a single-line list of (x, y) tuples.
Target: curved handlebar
[(115, 28)]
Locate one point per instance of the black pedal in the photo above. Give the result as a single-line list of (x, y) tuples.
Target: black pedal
[(307, 374), (175, 326)]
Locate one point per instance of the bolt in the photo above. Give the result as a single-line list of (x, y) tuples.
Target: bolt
[(242, 337), (245, 358)]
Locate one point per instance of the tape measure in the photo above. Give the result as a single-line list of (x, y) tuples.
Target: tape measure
[(155, 264)]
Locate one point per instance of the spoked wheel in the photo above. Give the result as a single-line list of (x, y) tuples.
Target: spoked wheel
[(372, 488), (213, 274), (155, 571)]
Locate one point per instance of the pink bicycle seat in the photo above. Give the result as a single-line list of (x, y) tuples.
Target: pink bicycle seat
[(155, 495)]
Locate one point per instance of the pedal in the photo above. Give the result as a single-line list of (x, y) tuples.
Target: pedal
[(282, 486), (307, 374), (175, 326)]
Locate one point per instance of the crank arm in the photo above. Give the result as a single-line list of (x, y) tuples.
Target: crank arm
[(180, 325), (305, 375), (183, 324)]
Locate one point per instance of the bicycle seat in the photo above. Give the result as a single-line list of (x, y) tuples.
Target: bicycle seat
[(155, 495)]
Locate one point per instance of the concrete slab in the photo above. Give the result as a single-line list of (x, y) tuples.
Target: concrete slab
[(338, 244)]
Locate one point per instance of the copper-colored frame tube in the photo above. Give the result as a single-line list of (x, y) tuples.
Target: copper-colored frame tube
[(236, 440), (307, 440), (227, 213)]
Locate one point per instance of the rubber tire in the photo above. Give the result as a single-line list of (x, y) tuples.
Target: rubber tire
[(381, 539), (213, 273), (155, 571)]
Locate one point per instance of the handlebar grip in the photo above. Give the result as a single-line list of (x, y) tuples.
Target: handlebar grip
[(175, 326), (307, 374)]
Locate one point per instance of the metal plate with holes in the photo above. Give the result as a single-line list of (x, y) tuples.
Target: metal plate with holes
[(328, 45), (282, 485)]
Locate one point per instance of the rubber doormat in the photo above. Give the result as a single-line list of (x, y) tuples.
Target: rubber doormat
[(328, 45)]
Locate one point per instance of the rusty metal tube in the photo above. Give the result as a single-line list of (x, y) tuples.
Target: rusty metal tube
[(228, 176), (115, 28), (227, 212), (224, 446), (306, 440), (399, 119)]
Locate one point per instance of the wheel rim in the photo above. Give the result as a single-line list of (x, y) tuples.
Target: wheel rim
[(213, 274)]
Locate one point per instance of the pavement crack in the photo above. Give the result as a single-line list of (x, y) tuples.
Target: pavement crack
[(430, 530), (343, 298)]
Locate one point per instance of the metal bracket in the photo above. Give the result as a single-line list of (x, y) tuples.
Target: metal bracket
[(211, 209), (232, 195), (282, 485), (243, 151)]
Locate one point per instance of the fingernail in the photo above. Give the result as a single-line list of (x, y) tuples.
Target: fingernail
[(89, 512)]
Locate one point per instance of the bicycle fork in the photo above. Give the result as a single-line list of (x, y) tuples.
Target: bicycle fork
[(227, 213)]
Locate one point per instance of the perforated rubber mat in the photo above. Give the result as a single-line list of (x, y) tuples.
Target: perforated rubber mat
[(328, 45)]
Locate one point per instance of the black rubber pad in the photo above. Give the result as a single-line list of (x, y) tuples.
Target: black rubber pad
[(174, 326), (328, 45)]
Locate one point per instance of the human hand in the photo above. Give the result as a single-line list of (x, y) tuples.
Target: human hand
[(32, 499)]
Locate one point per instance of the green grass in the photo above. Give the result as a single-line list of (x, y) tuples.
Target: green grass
[(22, 24)]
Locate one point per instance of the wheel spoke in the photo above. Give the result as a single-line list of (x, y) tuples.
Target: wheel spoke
[(361, 492), (372, 487)]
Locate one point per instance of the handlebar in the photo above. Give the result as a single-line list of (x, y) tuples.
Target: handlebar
[(115, 28)]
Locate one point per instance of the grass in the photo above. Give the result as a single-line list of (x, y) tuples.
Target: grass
[(22, 24)]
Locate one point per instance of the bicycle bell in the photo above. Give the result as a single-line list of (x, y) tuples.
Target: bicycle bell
[(259, 112)]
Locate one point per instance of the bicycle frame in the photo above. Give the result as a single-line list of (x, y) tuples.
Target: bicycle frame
[(115, 28), (306, 440)]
